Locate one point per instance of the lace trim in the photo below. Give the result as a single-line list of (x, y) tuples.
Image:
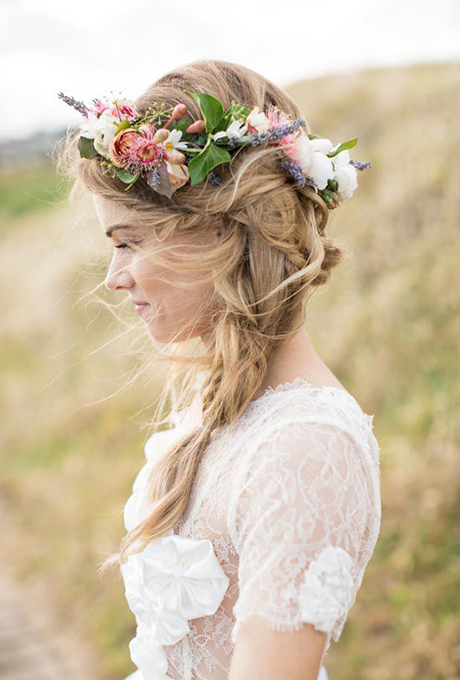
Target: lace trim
[(276, 624), (301, 383)]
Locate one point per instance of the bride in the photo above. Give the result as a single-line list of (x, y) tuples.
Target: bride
[(253, 519)]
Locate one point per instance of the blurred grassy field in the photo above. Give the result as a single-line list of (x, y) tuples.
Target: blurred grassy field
[(388, 324)]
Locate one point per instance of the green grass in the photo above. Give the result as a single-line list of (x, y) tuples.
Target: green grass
[(28, 191)]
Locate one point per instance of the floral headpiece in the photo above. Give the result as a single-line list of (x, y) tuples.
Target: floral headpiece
[(168, 149)]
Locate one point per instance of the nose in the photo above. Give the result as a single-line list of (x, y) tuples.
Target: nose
[(118, 277)]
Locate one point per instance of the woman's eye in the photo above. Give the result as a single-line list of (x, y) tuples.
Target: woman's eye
[(125, 245)]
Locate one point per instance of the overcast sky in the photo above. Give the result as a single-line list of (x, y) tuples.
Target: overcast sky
[(91, 48)]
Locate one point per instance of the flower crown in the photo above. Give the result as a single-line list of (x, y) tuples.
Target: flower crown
[(168, 149)]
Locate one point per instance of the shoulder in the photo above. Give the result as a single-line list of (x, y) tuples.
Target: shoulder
[(304, 413), (301, 442)]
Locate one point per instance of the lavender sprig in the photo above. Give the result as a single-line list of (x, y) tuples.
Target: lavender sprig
[(297, 172), (214, 179), (71, 101), (360, 165), (276, 132), (153, 178)]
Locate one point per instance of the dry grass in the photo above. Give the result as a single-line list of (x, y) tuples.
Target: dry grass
[(387, 324)]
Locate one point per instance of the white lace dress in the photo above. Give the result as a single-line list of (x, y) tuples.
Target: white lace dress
[(289, 503)]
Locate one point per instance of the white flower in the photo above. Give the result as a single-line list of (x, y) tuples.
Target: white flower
[(322, 144), (347, 178), (345, 174), (258, 119), (236, 130), (102, 130), (320, 169), (310, 154), (342, 158), (173, 140), (88, 125), (327, 591)]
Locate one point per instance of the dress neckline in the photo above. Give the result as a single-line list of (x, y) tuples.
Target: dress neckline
[(299, 383), (302, 383)]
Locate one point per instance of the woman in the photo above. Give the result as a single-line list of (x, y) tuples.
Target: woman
[(253, 519)]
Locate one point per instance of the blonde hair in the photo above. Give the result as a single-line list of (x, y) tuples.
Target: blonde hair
[(268, 251)]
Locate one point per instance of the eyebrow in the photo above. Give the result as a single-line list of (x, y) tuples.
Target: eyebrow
[(114, 227)]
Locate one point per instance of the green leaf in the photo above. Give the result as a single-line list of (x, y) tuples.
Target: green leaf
[(180, 124), (235, 111), (86, 148), (126, 176), (210, 107), (332, 184), (125, 124), (332, 193), (207, 160), (346, 145), (224, 122), (328, 196), (200, 141)]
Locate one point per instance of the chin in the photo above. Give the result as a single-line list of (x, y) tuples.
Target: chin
[(165, 335)]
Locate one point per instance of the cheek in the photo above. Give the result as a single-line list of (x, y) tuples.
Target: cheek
[(149, 275), (167, 289), (153, 276)]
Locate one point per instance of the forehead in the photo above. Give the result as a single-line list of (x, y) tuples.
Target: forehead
[(112, 214)]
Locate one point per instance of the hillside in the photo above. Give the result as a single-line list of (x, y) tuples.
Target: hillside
[(387, 324)]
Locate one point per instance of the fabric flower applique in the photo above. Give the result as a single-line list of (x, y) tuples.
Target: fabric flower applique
[(149, 657), (327, 590), (136, 508), (172, 580)]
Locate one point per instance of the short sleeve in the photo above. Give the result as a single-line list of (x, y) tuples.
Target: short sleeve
[(299, 518)]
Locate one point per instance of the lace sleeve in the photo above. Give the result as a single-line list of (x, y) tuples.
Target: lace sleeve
[(299, 519)]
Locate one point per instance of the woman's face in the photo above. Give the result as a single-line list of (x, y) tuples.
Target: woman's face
[(173, 313)]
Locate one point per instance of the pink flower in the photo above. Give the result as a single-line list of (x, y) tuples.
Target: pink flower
[(147, 130), (136, 150), (147, 152), (311, 155), (276, 117), (122, 146), (99, 108), (124, 109), (257, 121)]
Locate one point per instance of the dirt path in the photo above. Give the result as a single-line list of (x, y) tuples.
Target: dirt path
[(35, 642), (25, 653)]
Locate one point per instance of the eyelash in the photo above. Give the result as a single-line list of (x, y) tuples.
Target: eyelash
[(124, 245)]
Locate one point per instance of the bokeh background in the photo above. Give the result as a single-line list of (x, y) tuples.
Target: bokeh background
[(387, 323)]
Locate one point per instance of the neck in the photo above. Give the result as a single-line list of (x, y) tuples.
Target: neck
[(295, 357)]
